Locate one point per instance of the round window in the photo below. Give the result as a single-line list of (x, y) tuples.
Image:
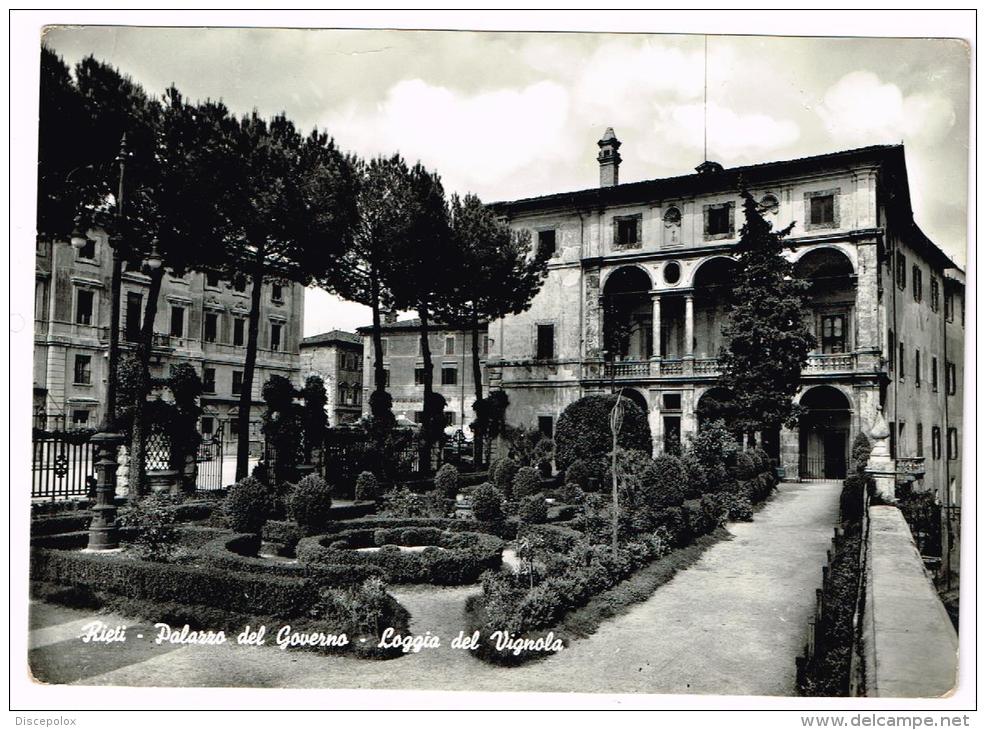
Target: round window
[(672, 272), (769, 205)]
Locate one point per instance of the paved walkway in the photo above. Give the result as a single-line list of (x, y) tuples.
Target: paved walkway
[(730, 624)]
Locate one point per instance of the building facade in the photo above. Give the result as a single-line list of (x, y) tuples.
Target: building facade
[(633, 300), (200, 320), (337, 357), (451, 354)]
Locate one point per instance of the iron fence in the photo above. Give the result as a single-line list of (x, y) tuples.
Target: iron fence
[(209, 461), (63, 465), (820, 468)]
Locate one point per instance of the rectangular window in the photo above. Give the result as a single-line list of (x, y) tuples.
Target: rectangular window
[(486, 344), (950, 307), (935, 294), (83, 370), (891, 350), (935, 442), (916, 282), (546, 342), (900, 360), (450, 345), (84, 306), (626, 230), (132, 330), (893, 440), (546, 426), (950, 378), (719, 219), (919, 435), (239, 283), (383, 346), (277, 292), (917, 368), (88, 252), (546, 243), (419, 376), (275, 337), (211, 326), (953, 443), (208, 425), (208, 380), (450, 376), (237, 382), (238, 328), (177, 321), (833, 333), (212, 280), (822, 210), (80, 418), (901, 271), (901, 430), (449, 418), (934, 374), (671, 401)]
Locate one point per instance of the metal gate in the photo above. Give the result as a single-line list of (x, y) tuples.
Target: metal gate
[(63, 465), (209, 460)]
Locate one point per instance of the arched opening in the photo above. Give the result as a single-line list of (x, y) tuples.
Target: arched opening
[(833, 298), (823, 442), (627, 315), (713, 404), (636, 397), (712, 284)]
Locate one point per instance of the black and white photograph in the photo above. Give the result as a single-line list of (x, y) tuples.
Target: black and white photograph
[(466, 358)]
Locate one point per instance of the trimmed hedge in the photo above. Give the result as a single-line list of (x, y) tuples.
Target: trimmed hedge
[(466, 555), (583, 430), (77, 520)]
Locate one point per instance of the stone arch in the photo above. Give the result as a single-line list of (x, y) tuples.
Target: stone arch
[(824, 432), (711, 403), (829, 259), (710, 269), (832, 293), (627, 314), (630, 275), (637, 398)]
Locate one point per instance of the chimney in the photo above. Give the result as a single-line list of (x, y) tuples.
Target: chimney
[(389, 316), (609, 159)]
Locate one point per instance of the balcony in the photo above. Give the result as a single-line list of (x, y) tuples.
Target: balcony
[(706, 367)]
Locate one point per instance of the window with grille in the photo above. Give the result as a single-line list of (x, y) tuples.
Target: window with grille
[(547, 243), (901, 271), (209, 380), (275, 337), (919, 435), (900, 360), (916, 283), (177, 321), (917, 368), (953, 443), (277, 292), (934, 374), (419, 376), (450, 345), (238, 327), (80, 418), (545, 342), (719, 219), (935, 442), (211, 327), (237, 382), (833, 333), (626, 230), (935, 294), (450, 376), (822, 210), (83, 370), (950, 378)]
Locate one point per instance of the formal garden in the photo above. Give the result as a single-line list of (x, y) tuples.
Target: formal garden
[(540, 533)]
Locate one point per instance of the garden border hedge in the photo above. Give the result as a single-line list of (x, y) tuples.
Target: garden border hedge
[(454, 565)]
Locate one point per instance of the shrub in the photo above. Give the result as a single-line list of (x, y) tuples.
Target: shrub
[(570, 493), (402, 502), (747, 467), (156, 536), (533, 510), (583, 430), (310, 503), (447, 481), (861, 448), (672, 479), (714, 450), (578, 473), (739, 508), (543, 453), (487, 503), (527, 481), (502, 473), (366, 486), (715, 507), (248, 505)]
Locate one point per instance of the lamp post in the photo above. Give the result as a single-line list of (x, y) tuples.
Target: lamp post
[(103, 532)]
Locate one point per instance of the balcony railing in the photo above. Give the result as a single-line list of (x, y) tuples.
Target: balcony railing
[(830, 363), (707, 366), (628, 369)]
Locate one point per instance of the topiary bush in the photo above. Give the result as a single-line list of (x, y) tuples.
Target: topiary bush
[(587, 474), (861, 448), (248, 505), (366, 486), (156, 535), (672, 480), (487, 503), (533, 510), (310, 503), (447, 481), (583, 430), (527, 481), (502, 472)]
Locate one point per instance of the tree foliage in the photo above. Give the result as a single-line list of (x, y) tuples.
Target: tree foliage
[(767, 336), (583, 430)]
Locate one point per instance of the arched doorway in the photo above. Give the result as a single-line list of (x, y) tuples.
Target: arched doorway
[(636, 397), (713, 404), (823, 446), (628, 315), (833, 298), (712, 284)]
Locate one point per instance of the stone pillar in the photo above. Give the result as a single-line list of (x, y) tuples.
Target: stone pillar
[(654, 418), (881, 466), (103, 533), (592, 325), (656, 326), (689, 353), (790, 449), (867, 310)]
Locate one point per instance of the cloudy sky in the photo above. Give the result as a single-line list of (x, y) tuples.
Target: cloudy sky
[(508, 115)]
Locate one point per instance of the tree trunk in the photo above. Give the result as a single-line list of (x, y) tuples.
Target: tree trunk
[(424, 457), (378, 370), (246, 392), (137, 474), (477, 377)]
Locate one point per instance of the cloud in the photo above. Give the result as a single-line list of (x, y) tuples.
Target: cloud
[(472, 139), (734, 137), (862, 109)]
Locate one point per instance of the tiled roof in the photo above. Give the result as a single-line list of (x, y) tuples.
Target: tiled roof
[(332, 336), (415, 323)]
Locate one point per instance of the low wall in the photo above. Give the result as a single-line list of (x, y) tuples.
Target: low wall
[(909, 646)]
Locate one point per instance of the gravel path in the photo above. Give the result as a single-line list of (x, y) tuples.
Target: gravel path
[(731, 624)]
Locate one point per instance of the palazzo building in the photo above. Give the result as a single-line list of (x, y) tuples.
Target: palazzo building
[(633, 301), (337, 357)]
